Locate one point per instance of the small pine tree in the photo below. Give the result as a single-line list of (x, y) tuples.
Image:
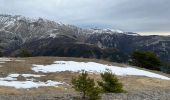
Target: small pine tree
[(24, 53), (110, 83), (86, 86), (94, 93)]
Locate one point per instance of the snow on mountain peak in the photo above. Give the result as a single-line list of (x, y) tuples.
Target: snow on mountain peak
[(111, 31), (107, 30)]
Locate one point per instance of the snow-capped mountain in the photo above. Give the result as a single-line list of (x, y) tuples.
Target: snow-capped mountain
[(17, 32), (109, 31)]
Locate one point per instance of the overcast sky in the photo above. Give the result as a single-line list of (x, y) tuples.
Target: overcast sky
[(142, 16)]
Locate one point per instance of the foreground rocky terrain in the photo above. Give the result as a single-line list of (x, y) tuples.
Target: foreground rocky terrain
[(42, 36), (138, 95), (23, 71)]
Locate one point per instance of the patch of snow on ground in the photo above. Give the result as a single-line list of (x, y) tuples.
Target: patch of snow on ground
[(25, 75), (93, 67), (11, 81), (53, 35), (5, 59), (8, 78), (31, 75), (13, 75), (28, 84)]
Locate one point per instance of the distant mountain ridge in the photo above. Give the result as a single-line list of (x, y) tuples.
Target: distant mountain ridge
[(17, 32)]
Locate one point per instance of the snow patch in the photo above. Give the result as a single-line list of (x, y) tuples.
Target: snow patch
[(8, 78), (28, 84), (32, 75), (12, 77), (5, 59), (11, 81), (53, 35), (25, 75), (107, 30), (93, 67)]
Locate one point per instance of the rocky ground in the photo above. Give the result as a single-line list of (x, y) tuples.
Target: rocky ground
[(136, 95)]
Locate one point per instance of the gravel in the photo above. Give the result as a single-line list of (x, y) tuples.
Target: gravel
[(135, 95)]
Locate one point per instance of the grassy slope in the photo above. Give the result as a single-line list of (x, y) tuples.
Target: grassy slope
[(131, 83)]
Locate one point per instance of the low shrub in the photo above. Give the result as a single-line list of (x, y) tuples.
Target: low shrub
[(110, 83)]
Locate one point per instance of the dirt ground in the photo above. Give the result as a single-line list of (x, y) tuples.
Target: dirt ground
[(24, 65)]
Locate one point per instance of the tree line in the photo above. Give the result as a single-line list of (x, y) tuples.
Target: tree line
[(144, 59), (149, 60)]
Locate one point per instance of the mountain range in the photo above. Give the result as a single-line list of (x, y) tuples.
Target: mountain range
[(43, 37)]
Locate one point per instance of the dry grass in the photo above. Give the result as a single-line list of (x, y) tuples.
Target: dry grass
[(130, 83)]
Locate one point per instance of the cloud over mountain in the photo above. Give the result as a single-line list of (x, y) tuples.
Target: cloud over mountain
[(144, 16)]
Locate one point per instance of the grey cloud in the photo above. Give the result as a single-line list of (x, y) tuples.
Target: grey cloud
[(128, 15)]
